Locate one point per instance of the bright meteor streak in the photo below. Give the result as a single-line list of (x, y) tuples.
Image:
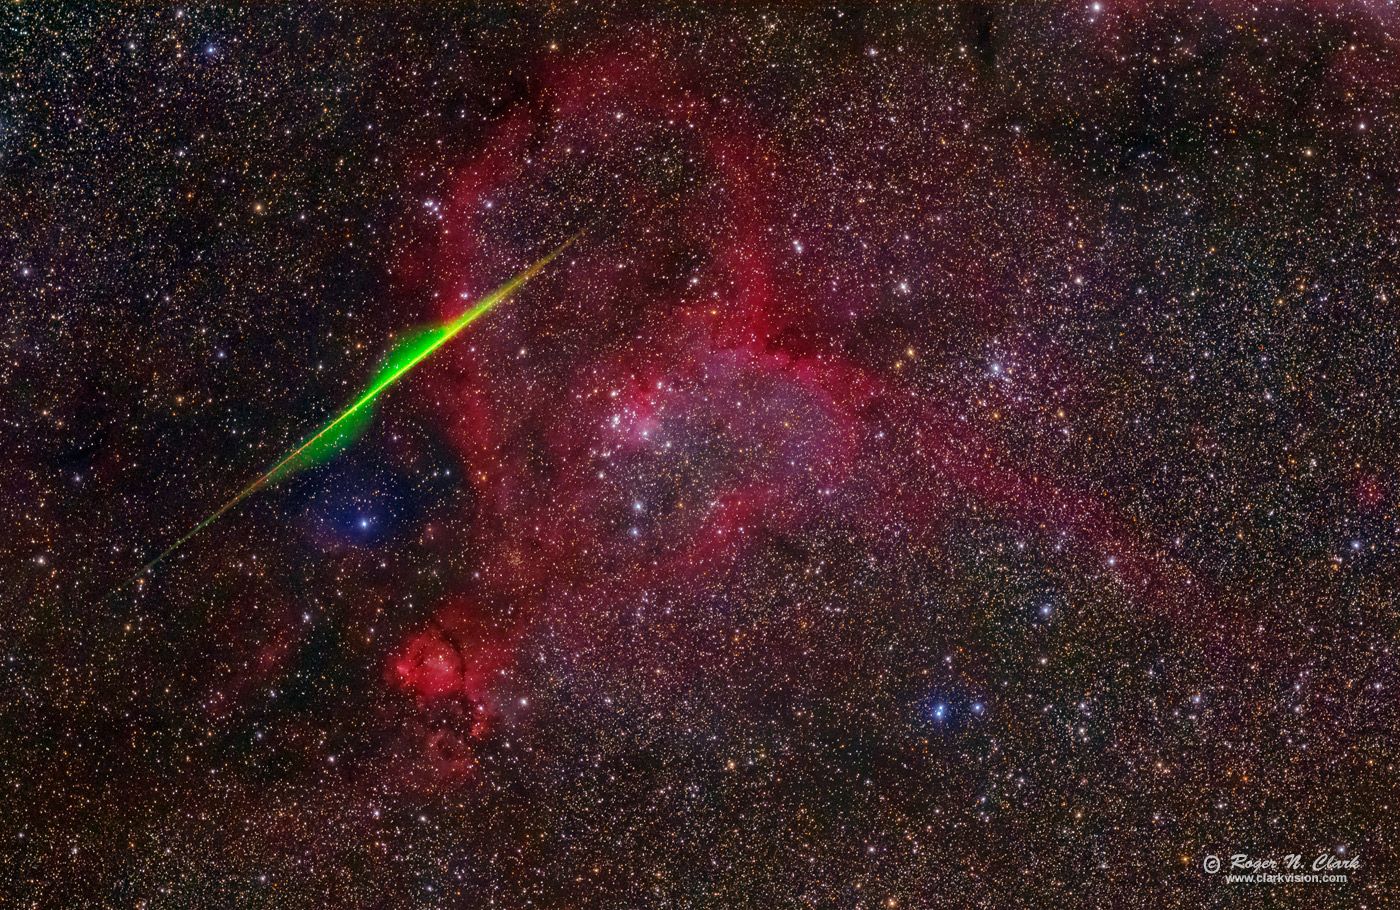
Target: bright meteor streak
[(331, 437)]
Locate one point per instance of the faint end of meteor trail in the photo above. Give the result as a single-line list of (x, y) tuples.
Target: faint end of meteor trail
[(336, 434)]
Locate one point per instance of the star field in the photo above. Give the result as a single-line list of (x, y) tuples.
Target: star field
[(953, 466)]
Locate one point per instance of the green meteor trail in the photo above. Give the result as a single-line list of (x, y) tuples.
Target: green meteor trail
[(340, 431)]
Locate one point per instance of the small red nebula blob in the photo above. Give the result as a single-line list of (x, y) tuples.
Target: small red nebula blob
[(429, 666), (460, 655)]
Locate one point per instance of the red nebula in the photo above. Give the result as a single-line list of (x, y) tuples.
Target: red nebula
[(460, 657), (678, 385)]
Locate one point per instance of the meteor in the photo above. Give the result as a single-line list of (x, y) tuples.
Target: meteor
[(342, 430)]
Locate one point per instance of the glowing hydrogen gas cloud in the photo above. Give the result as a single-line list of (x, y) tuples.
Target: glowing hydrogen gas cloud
[(346, 426)]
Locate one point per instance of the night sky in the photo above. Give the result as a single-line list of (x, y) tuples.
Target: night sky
[(955, 465)]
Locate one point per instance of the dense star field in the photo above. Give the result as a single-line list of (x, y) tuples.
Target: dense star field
[(954, 465)]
